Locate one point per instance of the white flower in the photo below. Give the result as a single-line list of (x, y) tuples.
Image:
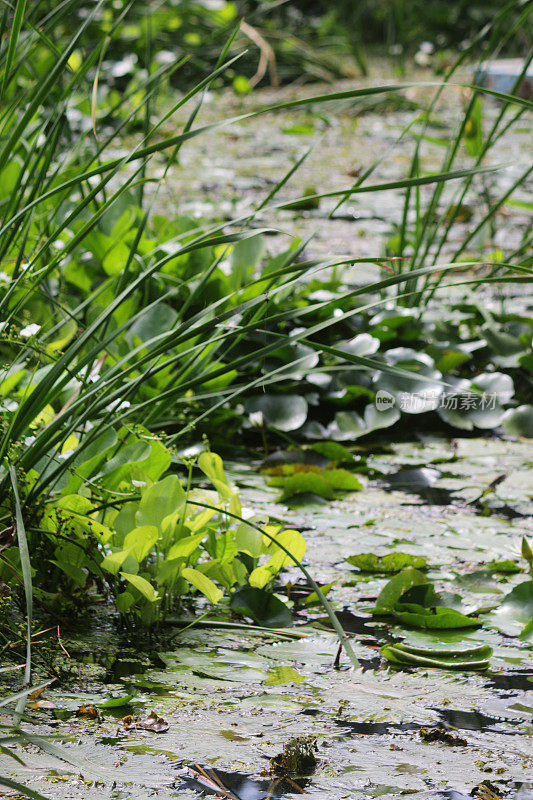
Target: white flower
[(138, 483), (30, 330), (3, 326), (257, 419), (4, 277), (29, 440)]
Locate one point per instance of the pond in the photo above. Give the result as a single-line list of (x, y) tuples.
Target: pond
[(233, 697), (233, 711)]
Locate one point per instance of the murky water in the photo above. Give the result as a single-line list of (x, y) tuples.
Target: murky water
[(234, 697), (231, 708)]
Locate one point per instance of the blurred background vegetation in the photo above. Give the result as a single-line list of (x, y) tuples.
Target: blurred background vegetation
[(294, 40)]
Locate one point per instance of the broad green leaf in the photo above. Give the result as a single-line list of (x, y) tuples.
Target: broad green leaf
[(263, 607), (124, 602), (160, 500), (437, 617), (202, 583), (393, 562), (286, 412), (393, 590), (185, 547), (515, 612), (140, 541), (280, 675), (464, 659), (519, 421), (142, 586), (249, 540), (307, 483), (113, 561)]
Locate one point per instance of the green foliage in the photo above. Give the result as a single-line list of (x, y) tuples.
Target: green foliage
[(146, 538), (410, 599), (459, 658), (392, 562)]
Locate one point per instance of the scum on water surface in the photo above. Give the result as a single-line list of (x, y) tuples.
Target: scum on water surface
[(234, 698)]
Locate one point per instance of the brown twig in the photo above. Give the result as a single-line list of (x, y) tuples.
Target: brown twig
[(266, 59)]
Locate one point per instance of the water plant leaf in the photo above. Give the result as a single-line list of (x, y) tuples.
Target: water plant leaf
[(116, 701), (140, 541), (505, 567), (393, 562), (515, 612), (436, 617), (280, 675), (472, 658), (519, 421), (263, 607), (286, 412), (393, 590), (204, 584), (185, 547), (307, 482), (342, 480), (142, 585)]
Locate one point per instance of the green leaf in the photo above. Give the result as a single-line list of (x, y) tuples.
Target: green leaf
[(465, 659), (307, 482), (293, 542), (280, 675), (393, 590), (142, 586), (285, 412), (437, 617), (211, 464), (116, 702), (124, 602), (342, 479), (505, 567), (515, 612), (185, 547), (393, 562), (113, 561), (160, 500), (202, 583), (140, 541), (519, 421), (263, 607), (249, 540), (334, 451)]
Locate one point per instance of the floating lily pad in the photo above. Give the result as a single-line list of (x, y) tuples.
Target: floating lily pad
[(473, 658), (286, 412), (519, 421), (263, 607), (393, 562), (433, 618), (514, 615)]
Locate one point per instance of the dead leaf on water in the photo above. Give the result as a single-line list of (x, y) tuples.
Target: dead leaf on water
[(89, 712), (151, 723)]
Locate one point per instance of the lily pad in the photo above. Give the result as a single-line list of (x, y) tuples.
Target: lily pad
[(437, 617), (514, 614), (263, 607), (473, 658), (285, 412), (393, 590), (393, 562), (519, 421)]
